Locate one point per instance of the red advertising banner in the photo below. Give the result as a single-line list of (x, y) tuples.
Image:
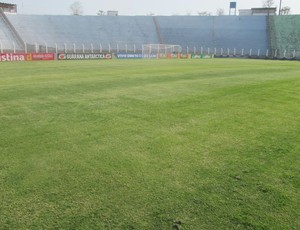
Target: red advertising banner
[(15, 57), (184, 56), (43, 56), (170, 55), (11, 57)]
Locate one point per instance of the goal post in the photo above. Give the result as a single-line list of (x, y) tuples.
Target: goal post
[(160, 49)]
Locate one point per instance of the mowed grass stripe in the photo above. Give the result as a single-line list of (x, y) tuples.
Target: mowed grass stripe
[(149, 144)]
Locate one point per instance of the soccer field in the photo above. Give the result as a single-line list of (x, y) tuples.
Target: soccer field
[(150, 144)]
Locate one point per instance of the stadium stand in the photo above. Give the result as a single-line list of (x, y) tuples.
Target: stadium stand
[(9, 37), (266, 34), (246, 32), (87, 30)]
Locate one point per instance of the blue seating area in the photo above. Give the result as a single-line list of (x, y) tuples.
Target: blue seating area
[(245, 32), (193, 32), (7, 39), (104, 30), (5, 36)]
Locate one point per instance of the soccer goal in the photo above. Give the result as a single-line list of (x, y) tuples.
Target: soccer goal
[(156, 49)]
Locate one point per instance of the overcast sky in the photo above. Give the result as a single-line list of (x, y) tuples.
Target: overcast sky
[(141, 7)]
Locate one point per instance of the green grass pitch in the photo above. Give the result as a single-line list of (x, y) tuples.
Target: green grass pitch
[(150, 144)]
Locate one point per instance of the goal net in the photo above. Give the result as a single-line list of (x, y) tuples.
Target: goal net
[(154, 49)]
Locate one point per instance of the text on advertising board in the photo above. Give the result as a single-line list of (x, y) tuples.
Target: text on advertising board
[(14, 57), (87, 56)]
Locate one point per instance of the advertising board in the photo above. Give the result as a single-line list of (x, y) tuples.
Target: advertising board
[(202, 56), (149, 56), (129, 55), (135, 56), (185, 56), (173, 56), (15, 57), (42, 56), (84, 56), (12, 57)]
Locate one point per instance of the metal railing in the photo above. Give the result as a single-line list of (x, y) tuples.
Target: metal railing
[(138, 48), (13, 31)]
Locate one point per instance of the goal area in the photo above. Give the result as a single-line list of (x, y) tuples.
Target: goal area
[(155, 49)]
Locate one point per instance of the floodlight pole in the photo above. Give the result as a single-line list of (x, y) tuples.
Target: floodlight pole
[(280, 7)]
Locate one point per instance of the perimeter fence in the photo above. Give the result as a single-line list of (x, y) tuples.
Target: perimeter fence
[(121, 47)]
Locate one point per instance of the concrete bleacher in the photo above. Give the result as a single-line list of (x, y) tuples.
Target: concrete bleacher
[(191, 32), (122, 30), (225, 32), (5, 35), (8, 40)]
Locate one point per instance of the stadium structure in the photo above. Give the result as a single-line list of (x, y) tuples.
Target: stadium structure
[(258, 36)]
